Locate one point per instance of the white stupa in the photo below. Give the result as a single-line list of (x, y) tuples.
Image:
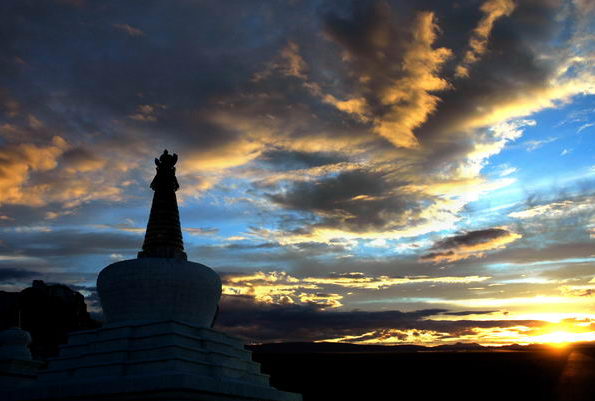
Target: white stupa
[(157, 342), (17, 367)]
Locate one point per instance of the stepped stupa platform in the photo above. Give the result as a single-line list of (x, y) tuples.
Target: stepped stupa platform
[(159, 360), (158, 342)]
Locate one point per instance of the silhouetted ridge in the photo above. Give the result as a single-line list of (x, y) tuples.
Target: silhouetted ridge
[(163, 238)]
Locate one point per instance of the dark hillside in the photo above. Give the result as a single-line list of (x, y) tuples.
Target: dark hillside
[(535, 374)]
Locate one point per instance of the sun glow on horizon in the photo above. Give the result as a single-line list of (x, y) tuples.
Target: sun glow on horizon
[(558, 334), (563, 338)]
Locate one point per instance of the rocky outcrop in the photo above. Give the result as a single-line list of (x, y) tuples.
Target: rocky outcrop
[(47, 311)]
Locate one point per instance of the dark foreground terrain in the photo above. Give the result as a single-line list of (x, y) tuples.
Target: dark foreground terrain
[(530, 374)]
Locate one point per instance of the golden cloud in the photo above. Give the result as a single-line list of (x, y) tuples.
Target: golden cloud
[(570, 330), (577, 290), (36, 174), (18, 162), (558, 90), (360, 280), (275, 288), (393, 336), (410, 97), (282, 288)]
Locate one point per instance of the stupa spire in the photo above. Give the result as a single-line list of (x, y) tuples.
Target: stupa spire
[(163, 238)]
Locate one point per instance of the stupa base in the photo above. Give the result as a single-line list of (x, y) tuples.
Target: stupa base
[(164, 360), (167, 386)]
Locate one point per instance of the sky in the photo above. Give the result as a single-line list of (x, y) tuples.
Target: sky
[(387, 172)]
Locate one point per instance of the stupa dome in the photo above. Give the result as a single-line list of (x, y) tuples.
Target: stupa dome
[(159, 289)]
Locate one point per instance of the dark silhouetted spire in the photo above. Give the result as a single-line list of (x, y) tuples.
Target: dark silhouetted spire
[(163, 238)]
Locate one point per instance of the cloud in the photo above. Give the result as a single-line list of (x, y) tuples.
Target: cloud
[(538, 143), (510, 302), (19, 161), (201, 230), (49, 169), (288, 63), (493, 10), (67, 242), (557, 209), (291, 322), (395, 101), (277, 287), (577, 290), (470, 244), (285, 159), (8, 274), (130, 30), (376, 202), (360, 280), (488, 96), (80, 159), (465, 313), (429, 202), (354, 199), (572, 214), (584, 127), (365, 87), (506, 171), (147, 112), (8, 104)]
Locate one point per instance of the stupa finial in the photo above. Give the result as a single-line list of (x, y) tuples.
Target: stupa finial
[(163, 238), (166, 172)]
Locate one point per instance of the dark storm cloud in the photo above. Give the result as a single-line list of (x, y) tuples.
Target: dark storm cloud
[(264, 245), (8, 274), (555, 252), (25, 215), (8, 105), (80, 159), (465, 313), (281, 159), (298, 321), (83, 72), (267, 255), (471, 238), (355, 200), (273, 322), (68, 243)]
